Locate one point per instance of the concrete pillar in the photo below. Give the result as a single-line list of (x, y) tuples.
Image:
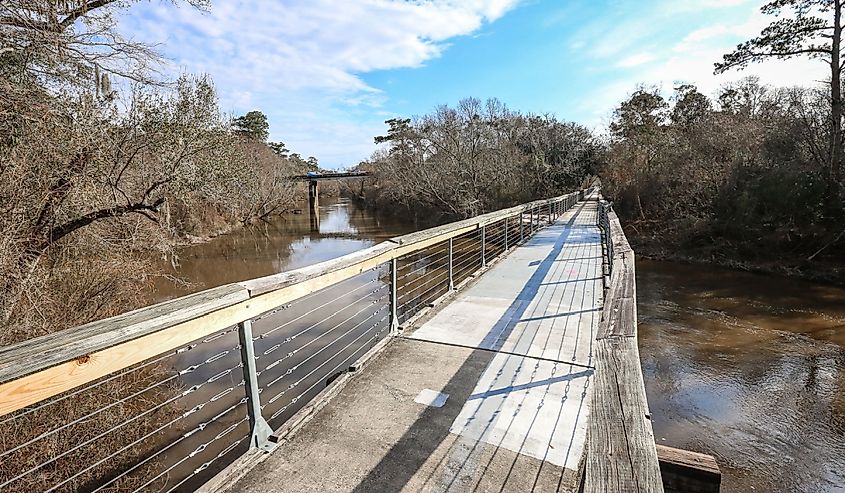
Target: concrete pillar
[(314, 205)]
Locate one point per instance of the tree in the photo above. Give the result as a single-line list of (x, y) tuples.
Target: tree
[(638, 130), (68, 39), (312, 164), (279, 149), (812, 29), (644, 113), (691, 107), (253, 125)]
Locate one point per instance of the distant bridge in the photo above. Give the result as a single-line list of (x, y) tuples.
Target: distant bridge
[(329, 176), (313, 189)]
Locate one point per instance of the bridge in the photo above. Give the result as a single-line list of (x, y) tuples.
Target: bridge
[(494, 353), (313, 180)]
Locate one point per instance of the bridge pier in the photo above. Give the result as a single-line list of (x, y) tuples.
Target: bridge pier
[(313, 199), (314, 204)]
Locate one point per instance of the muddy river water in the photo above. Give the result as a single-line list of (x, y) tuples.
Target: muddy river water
[(748, 368)]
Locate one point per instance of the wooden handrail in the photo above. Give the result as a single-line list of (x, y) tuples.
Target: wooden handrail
[(621, 455), (40, 368)]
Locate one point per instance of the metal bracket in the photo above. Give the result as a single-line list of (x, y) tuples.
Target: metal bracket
[(451, 267), (394, 308)]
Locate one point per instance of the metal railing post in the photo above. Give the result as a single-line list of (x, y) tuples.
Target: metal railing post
[(451, 266), (521, 224), (506, 233), (260, 431), (394, 308), (550, 214), (484, 246)]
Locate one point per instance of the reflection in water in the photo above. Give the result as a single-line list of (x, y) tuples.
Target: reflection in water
[(748, 368), (285, 243)]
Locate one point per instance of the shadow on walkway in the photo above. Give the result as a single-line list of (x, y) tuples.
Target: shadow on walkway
[(418, 443)]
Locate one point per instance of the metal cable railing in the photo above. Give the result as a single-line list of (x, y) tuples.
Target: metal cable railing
[(147, 416), (607, 241), (171, 420)]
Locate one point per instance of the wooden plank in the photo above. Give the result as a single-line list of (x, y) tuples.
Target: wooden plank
[(621, 454), (54, 380), (43, 352), (367, 257), (688, 458), (288, 286), (687, 471), (620, 310)]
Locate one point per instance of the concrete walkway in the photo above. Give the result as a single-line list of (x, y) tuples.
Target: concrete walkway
[(513, 353)]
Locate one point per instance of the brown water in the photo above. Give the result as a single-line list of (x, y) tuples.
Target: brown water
[(748, 368), (287, 242)]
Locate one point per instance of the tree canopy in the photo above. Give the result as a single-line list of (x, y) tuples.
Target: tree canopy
[(253, 125)]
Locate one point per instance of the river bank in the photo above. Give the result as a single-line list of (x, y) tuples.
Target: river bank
[(824, 268)]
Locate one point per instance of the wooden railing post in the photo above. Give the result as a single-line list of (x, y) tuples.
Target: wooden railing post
[(260, 431)]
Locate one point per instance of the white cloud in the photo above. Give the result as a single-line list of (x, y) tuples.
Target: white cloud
[(301, 60), (635, 60)]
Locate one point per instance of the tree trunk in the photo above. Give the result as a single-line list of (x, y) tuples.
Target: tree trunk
[(836, 102)]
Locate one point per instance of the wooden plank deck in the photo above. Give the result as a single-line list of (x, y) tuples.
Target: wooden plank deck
[(514, 352)]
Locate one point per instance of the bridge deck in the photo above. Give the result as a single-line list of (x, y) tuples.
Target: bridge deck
[(513, 352)]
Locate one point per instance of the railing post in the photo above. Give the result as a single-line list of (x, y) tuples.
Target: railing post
[(484, 246), (260, 431), (550, 214), (521, 224), (394, 306), (451, 266), (506, 233)]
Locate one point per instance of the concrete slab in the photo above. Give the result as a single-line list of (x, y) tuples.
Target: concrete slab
[(543, 300), (373, 437), (532, 407), (428, 397)]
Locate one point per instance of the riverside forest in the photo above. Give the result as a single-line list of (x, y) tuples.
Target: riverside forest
[(128, 180)]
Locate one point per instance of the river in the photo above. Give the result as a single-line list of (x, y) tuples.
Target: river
[(748, 368), (286, 242)]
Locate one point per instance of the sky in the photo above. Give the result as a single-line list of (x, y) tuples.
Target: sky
[(328, 73)]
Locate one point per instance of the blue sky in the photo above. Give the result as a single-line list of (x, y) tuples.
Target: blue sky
[(328, 73)]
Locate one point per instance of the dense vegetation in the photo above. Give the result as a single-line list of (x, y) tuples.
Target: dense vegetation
[(106, 168), (735, 180), (751, 177), (477, 157)]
